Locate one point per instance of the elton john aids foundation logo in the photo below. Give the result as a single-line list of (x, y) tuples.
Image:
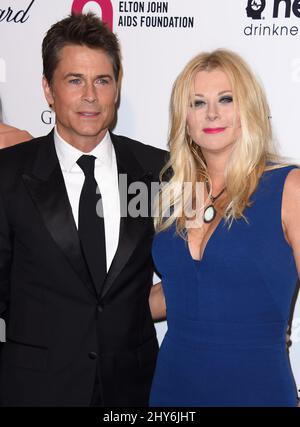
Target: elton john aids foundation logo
[(255, 8), (105, 6)]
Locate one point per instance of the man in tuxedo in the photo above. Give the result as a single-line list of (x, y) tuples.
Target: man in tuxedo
[(75, 269)]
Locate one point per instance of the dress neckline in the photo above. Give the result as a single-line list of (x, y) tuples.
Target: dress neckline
[(207, 244)]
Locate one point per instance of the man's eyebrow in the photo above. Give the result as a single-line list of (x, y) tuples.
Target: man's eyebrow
[(73, 75), (104, 76), (81, 76)]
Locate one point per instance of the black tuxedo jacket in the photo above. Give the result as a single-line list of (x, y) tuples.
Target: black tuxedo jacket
[(58, 327)]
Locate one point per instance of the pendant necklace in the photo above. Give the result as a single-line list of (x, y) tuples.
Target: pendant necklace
[(210, 212)]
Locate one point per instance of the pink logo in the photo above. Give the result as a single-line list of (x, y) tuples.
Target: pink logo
[(105, 5)]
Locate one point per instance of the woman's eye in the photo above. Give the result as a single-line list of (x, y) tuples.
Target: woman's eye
[(226, 99), (198, 103)]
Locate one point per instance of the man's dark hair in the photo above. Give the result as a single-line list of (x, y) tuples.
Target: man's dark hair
[(79, 29)]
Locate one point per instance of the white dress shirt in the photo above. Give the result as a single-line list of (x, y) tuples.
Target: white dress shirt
[(106, 175)]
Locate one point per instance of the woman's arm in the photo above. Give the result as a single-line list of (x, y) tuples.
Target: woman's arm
[(291, 213), (157, 302)]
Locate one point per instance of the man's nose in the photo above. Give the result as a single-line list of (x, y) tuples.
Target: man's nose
[(90, 93)]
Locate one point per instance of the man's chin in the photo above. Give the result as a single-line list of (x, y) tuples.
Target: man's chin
[(91, 133)]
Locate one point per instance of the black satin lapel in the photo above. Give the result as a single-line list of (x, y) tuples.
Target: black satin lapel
[(132, 231), (50, 197)]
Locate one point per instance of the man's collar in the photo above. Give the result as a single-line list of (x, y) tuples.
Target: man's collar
[(68, 155)]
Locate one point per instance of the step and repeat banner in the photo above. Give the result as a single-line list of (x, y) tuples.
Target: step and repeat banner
[(157, 39)]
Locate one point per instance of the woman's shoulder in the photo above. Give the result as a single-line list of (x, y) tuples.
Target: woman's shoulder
[(292, 182), (286, 181), (280, 169), (291, 206), (276, 177)]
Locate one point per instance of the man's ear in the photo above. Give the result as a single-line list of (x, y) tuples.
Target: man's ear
[(48, 92)]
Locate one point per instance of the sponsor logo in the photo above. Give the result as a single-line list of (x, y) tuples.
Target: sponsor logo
[(151, 14), (16, 16), (255, 8), (275, 8), (143, 14), (270, 11), (48, 117), (105, 6)]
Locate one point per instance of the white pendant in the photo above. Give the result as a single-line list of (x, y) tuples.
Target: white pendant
[(209, 214)]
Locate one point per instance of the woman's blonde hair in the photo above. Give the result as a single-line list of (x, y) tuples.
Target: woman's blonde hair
[(252, 154)]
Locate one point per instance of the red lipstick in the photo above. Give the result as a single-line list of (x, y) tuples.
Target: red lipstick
[(213, 130)]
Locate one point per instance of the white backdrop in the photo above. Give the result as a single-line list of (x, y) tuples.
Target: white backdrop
[(157, 39)]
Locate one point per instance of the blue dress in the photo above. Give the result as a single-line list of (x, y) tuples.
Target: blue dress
[(228, 313)]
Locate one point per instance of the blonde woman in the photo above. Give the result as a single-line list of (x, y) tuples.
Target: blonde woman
[(229, 275)]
